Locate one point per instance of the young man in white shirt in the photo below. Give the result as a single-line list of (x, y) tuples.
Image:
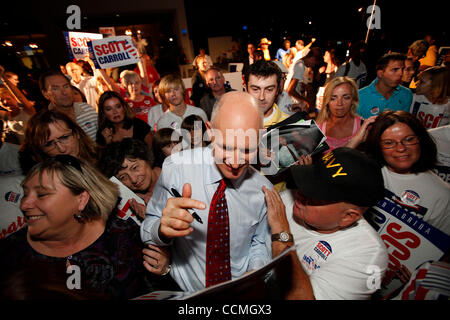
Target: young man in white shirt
[(172, 92)]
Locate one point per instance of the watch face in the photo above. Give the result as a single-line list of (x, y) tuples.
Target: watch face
[(284, 236)]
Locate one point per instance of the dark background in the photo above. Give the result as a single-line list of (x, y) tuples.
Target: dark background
[(333, 23)]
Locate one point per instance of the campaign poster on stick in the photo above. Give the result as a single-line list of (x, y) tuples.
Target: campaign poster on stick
[(409, 240), (113, 52), (77, 43)]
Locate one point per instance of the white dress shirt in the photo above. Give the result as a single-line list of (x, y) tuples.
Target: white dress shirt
[(250, 245)]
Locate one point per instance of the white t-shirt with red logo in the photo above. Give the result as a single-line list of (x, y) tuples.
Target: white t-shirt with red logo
[(431, 115), (345, 265), (11, 193), (423, 189)]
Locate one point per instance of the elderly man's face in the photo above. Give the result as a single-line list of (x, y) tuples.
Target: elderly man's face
[(235, 137), (322, 216), (215, 80)]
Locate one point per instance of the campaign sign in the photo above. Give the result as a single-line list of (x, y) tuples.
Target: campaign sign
[(125, 195), (77, 43), (409, 240), (113, 52)]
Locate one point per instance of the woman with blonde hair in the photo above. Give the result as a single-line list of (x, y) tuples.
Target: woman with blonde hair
[(68, 207), (430, 102), (338, 119), (49, 133)]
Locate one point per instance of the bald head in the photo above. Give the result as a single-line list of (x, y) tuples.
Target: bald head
[(234, 130), (238, 109)]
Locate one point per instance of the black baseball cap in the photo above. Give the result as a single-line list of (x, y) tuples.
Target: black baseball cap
[(342, 175)]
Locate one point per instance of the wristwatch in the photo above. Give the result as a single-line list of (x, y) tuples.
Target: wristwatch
[(169, 267), (283, 236)]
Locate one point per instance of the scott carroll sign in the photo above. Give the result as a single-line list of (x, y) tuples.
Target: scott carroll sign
[(77, 43), (113, 52)]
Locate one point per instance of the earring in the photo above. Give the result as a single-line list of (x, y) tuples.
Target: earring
[(79, 217)]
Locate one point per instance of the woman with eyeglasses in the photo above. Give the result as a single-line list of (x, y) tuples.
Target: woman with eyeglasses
[(49, 133), (67, 205), (402, 145), (407, 154)]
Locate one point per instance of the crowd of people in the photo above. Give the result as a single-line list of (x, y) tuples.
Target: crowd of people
[(64, 168)]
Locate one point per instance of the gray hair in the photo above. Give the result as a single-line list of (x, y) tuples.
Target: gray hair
[(130, 75)]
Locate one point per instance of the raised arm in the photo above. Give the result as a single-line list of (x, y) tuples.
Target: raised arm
[(112, 85), (294, 282), (142, 65)]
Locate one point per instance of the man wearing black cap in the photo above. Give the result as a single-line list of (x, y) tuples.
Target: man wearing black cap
[(338, 254)]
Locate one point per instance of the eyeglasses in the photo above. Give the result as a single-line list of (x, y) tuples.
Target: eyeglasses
[(408, 141), (69, 160), (64, 139)]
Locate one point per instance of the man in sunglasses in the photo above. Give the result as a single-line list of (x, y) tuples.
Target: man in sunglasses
[(338, 254)]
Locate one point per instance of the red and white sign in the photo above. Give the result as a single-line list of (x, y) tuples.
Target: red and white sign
[(77, 43), (113, 52)]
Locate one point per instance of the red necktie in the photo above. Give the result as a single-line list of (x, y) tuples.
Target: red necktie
[(218, 239)]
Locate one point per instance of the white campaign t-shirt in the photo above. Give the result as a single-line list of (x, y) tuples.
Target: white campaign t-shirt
[(441, 136), (430, 193), (431, 115), (11, 218), (154, 114), (347, 264)]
